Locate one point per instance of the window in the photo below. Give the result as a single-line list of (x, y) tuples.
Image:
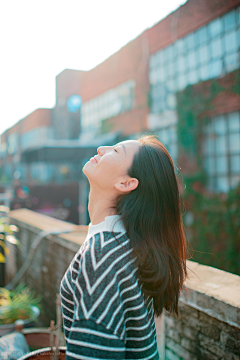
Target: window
[(221, 152), (216, 48), (229, 20), (110, 103), (215, 68), (230, 42), (168, 136), (207, 53), (215, 27), (36, 136), (232, 62), (201, 35)]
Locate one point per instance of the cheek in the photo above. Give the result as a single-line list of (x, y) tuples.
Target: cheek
[(108, 168)]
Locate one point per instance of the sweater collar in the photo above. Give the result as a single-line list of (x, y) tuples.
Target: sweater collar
[(111, 223)]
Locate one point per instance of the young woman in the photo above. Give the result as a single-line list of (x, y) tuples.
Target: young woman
[(133, 261)]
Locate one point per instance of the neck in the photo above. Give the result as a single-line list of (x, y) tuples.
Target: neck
[(100, 205)]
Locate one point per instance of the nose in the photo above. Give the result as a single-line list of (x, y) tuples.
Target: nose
[(100, 150), (103, 150)]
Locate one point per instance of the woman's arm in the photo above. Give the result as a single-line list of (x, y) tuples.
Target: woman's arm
[(91, 341)]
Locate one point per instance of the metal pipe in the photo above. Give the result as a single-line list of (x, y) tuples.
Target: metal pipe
[(31, 252)]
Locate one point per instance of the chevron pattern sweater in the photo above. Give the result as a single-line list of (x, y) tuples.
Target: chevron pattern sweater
[(105, 313)]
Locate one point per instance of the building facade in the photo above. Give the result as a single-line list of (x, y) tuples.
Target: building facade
[(136, 90), (142, 89)]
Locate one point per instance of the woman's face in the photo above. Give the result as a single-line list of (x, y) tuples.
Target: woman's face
[(110, 166)]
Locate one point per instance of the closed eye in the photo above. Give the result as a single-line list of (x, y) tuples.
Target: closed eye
[(115, 150)]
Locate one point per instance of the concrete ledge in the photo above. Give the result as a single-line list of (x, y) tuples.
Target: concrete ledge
[(207, 289), (37, 222), (214, 292), (208, 325)]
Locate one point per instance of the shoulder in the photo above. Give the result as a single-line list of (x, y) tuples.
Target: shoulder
[(105, 249)]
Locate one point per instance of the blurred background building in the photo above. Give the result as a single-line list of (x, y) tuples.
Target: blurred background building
[(178, 80)]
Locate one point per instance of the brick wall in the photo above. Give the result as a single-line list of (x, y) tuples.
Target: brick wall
[(208, 326), (196, 335)]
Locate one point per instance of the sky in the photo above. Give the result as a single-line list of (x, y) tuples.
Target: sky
[(41, 38)]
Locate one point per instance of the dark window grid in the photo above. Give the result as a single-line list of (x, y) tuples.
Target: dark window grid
[(199, 66), (229, 174), (197, 47), (207, 42)]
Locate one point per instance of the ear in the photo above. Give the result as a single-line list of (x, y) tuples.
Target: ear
[(126, 186)]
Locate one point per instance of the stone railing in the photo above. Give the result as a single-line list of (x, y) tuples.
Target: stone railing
[(208, 326)]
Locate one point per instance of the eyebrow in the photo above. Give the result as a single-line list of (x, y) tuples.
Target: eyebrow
[(124, 148)]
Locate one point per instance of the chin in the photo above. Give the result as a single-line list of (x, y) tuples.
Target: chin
[(85, 168)]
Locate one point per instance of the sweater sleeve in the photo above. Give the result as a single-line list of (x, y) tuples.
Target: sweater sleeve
[(91, 341)]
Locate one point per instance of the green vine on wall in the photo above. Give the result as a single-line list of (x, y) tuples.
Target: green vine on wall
[(214, 232), (191, 104)]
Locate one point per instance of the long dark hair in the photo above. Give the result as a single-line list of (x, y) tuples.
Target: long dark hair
[(152, 217)]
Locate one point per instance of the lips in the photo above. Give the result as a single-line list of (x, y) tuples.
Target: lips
[(93, 159)]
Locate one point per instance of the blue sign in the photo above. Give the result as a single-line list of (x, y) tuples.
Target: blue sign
[(74, 103)]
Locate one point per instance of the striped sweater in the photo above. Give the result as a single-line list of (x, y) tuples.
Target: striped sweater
[(105, 313)]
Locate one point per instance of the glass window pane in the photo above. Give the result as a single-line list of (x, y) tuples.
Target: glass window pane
[(221, 145), (210, 146), (222, 184), (232, 62), (234, 143), (216, 48), (235, 164), (233, 122), (215, 27), (229, 20), (209, 165), (192, 59), (152, 77), (204, 72), (167, 70), (171, 101), (179, 46), (220, 125), (201, 35), (165, 55), (164, 136), (216, 68), (168, 53), (159, 57), (172, 69), (181, 82), (171, 85), (193, 77), (230, 42), (190, 41), (204, 54), (221, 165), (161, 76), (180, 64)]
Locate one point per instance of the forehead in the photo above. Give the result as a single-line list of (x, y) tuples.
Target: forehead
[(129, 145)]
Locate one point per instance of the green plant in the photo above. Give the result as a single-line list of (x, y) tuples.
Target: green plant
[(17, 304), (214, 230), (9, 230)]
